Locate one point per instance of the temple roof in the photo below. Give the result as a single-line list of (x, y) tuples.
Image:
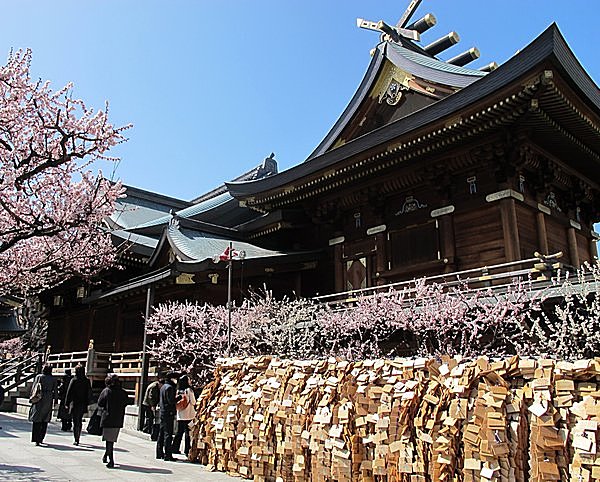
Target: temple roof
[(267, 168), (140, 206), (549, 48), (429, 68), (194, 245), (138, 243), (411, 59), (216, 206)]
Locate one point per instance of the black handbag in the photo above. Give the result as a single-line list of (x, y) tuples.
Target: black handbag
[(94, 427), (63, 412)]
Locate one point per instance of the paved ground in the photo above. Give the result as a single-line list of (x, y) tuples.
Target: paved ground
[(59, 460)]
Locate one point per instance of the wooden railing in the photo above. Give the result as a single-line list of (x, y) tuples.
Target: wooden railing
[(497, 276), (127, 365), (23, 369), (130, 364), (7, 364), (66, 361)]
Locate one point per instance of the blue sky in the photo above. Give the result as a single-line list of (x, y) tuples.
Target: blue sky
[(214, 87)]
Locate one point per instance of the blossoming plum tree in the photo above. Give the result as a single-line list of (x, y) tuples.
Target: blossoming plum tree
[(424, 319), (51, 203)]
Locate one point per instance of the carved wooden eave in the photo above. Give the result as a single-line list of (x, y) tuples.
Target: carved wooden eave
[(562, 174), (449, 133)]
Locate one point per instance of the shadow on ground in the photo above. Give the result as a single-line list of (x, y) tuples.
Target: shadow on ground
[(23, 473), (142, 470)]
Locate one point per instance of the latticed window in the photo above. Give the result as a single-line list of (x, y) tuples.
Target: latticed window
[(416, 244)]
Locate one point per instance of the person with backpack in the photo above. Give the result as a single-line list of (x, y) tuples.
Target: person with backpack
[(186, 411)]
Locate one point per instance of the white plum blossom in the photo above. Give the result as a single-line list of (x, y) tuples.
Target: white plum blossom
[(424, 319)]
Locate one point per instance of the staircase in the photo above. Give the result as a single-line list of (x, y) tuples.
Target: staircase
[(16, 377)]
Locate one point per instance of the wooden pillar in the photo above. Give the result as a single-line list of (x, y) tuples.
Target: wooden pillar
[(380, 257), (573, 249), (68, 328), (119, 328), (447, 241), (510, 230), (541, 233), (92, 319), (593, 249), (338, 268)]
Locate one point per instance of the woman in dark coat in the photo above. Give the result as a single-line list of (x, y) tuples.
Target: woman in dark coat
[(41, 411), (63, 411), (77, 399), (112, 401)]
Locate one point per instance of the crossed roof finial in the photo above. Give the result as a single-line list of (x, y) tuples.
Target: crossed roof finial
[(399, 30)]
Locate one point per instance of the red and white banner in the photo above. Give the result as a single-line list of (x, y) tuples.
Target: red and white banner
[(229, 254)]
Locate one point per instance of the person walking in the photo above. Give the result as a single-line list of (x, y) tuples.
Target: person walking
[(112, 401), (1, 397), (150, 406), (186, 411), (168, 410), (63, 412), (77, 398), (43, 393)]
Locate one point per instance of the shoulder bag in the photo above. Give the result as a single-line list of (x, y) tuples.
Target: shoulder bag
[(94, 427), (36, 392), (183, 402)]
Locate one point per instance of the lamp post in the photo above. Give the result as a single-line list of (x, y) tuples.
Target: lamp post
[(144, 373), (229, 273), (229, 252)]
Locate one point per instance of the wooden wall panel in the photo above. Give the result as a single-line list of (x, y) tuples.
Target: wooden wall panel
[(557, 238), (133, 327), (479, 237), (56, 333), (583, 246), (528, 236), (103, 329), (79, 326)]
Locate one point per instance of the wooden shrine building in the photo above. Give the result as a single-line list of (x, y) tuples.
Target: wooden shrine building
[(432, 168)]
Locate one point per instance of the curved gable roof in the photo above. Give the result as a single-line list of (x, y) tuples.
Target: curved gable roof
[(416, 63), (549, 46)]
